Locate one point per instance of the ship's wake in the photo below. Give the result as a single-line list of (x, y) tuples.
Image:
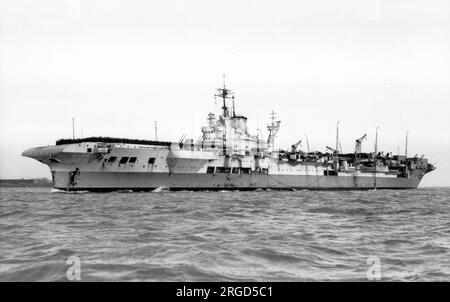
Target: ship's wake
[(53, 190), (161, 189)]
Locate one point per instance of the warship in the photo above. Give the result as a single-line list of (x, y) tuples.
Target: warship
[(225, 157)]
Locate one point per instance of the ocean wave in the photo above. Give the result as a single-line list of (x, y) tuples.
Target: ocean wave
[(53, 190), (238, 236), (271, 255)]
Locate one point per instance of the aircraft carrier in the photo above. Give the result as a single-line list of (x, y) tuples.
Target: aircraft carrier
[(225, 157)]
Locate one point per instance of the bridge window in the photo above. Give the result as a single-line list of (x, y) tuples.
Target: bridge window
[(112, 159), (132, 160), (123, 160), (210, 170), (235, 170), (151, 160), (245, 171), (89, 150)]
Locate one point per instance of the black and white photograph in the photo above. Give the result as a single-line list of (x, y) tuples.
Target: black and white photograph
[(231, 142)]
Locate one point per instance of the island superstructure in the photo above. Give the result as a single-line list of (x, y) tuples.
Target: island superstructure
[(226, 157)]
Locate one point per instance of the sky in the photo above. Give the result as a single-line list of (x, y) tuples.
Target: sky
[(119, 66)]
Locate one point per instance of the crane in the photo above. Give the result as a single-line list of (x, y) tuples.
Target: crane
[(333, 150), (358, 143), (182, 138), (295, 146)]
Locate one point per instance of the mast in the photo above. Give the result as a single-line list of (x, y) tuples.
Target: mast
[(273, 130), (307, 142), (375, 160), (337, 137), (234, 109), (376, 141), (225, 94), (406, 145), (156, 130), (73, 128)]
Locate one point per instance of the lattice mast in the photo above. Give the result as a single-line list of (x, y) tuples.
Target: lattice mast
[(225, 94), (273, 128)]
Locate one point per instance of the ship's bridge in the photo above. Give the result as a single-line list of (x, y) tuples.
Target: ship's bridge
[(231, 133)]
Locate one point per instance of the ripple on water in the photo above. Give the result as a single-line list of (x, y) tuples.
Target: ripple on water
[(232, 236)]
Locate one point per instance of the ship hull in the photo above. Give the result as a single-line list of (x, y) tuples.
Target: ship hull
[(75, 167), (136, 181)]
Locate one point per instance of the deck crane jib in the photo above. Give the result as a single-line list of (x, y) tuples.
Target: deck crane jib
[(295, 146), (295, 155), (334, 151), (358, 143)]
